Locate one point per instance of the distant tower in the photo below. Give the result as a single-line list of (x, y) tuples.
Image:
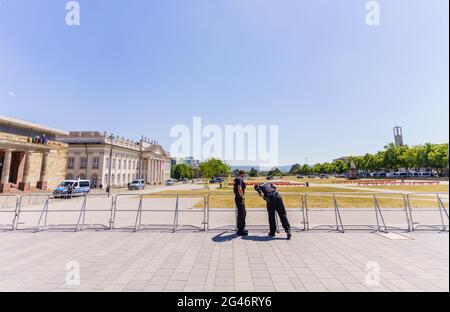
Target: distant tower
[(398, 136)]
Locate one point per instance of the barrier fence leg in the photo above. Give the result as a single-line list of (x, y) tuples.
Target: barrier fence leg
[(302, 200), (175, 216), (408, 212), (82, 212), (16, 214), (112, 216), (440, 207), (306, 212), (204, 214), (379, 215), (137, 223), (339, 226), (44, 209), (207, 212)]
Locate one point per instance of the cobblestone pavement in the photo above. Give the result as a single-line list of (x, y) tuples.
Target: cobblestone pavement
[(215, 261)]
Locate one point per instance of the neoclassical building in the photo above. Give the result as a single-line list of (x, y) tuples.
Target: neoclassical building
[(30, 157), (111, 160)]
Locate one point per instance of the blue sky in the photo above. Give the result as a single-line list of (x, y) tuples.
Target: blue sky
[(334, 85)]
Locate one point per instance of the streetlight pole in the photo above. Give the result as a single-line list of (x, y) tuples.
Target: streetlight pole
[(111, 137)]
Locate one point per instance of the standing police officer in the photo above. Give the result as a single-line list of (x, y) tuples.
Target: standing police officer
[(274, 203), (239, 199)]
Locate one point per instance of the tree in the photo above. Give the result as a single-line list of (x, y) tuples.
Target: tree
[(183, 171), (213, 168), (295, 169), (305, 170), (253, 172), (275, 172)]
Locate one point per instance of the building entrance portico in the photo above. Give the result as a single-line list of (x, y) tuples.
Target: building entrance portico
[(25, 149), (16, 167), (157, 162)]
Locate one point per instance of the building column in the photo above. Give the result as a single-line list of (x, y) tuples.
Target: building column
[(161, 166), (42, 183), (156, 171), (152, 170), (149, 174), (4, 182), (25, 184), (158, 166)]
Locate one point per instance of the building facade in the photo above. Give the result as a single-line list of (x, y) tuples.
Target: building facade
[(111, 160), (30, 157)]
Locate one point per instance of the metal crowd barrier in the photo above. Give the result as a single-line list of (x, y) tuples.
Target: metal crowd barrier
[(344, 213), (136, 212), (173, 206), (9, 205), (420, 216)]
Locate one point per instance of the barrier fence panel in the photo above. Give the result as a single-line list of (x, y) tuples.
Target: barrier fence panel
[(31, 208), (190, 212), (428, 211), (172, 212), (358, 211), (322, 212), (95, 212), (9, 206), (393, 208), (44, 212), (222, 212)]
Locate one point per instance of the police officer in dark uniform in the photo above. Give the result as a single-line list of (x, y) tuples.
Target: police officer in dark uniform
[(274, 203), (239, 199)]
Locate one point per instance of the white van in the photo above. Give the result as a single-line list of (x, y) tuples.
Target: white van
[(425, 175), (138, 184)]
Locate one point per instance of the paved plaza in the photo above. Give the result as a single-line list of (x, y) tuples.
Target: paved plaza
[(220, 261)]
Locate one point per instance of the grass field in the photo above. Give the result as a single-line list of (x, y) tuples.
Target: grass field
[(224, 198)]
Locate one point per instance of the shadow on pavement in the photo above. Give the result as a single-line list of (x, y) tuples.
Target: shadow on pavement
[(261, 238), (221, 238)]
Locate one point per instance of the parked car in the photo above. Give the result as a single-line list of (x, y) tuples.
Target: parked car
[(299, 177), (138, 184), (170, 182), (216, 180), (269, 178), (69, 188)]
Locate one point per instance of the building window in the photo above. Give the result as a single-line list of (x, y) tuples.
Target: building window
[(83, 163), (70, 163), (114, 163), (95, 163), (129, 164), (120, 163)]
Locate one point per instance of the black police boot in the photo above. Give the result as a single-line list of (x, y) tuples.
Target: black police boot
[(242, 233), (271, 234), (289, 234)]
